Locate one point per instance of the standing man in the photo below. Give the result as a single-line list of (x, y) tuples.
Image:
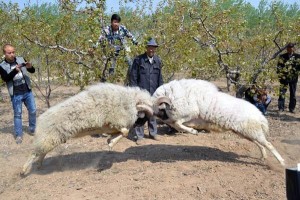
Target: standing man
[(14, 71), (146, 74), (287, 69), (115, 35)]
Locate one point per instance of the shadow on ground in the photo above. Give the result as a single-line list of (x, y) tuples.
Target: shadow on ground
[(104, 160), (293, 142), (283, 116)]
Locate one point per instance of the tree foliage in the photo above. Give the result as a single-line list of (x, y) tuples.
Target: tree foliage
[(200, 38)]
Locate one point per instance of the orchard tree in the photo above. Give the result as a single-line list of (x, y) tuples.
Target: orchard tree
[(200, 39), (238, 44)]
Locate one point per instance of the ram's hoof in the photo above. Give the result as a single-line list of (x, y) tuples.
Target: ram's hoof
[(110, 146), (108, 141)]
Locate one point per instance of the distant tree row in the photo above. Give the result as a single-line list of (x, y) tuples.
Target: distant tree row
[(201, 38)]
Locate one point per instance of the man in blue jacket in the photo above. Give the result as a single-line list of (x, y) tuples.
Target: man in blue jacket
[(146, 74), (14, 71)]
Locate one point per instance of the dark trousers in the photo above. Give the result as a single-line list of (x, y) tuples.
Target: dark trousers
[(111, 70), (282, 90), (152, 127)]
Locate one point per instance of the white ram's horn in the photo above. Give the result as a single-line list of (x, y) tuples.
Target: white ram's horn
[(166, 100), (147, 109)]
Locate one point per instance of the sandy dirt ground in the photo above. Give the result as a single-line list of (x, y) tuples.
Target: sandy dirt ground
[(181, 166)]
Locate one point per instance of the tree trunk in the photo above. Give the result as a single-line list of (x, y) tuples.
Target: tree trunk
[(1, 96)]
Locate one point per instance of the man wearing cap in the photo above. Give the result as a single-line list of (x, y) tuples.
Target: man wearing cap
[(146, 74), (287, 69)]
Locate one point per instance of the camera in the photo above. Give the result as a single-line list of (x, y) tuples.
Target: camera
[(23, 64)]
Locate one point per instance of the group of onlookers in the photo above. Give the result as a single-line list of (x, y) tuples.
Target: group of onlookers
[(288, 68)]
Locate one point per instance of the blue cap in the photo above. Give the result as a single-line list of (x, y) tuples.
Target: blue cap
[(290, 45), (152, 42)]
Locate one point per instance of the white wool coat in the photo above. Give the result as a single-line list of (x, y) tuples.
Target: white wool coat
[(192, 99), (101, 108)]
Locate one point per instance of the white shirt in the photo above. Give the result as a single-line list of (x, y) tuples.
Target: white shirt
[(150, 59)]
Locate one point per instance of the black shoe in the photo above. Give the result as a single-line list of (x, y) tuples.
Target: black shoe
[(139, 141), (154, 137), (19, 140), (292, 111), (31, 131)]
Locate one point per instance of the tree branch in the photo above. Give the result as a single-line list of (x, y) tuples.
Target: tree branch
[(57, 46)]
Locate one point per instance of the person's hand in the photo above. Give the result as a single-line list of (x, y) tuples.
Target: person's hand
[(18, 67), (28, 65)]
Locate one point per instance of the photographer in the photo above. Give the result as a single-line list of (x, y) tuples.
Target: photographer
[(13, 71), (262, 99)]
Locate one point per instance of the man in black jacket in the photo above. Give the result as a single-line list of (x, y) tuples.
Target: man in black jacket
[(146, 74), (14, 71), (288, 68)]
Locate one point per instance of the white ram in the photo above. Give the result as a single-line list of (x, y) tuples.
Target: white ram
[(102, 108), (190, 104)]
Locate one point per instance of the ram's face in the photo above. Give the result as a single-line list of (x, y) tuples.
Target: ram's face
[(144, 105), (163, 108), (144, 113)]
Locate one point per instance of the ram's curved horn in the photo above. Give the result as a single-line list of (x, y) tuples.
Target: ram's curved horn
[(147, 109), (163, 100)]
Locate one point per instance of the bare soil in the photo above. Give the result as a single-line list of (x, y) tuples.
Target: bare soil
[(180, 166)]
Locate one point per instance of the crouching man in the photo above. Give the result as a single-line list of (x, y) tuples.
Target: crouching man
[(262, 100)]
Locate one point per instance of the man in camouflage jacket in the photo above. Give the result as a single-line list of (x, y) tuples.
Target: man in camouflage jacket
[(115, 35), (288, 68)]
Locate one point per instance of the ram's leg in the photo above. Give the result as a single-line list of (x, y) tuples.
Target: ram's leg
[(262, 150), (40, 160), (262, 141), (114, 141), (124, 132), (180, 127), (28, 165), (200, 124), (32, 158)]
